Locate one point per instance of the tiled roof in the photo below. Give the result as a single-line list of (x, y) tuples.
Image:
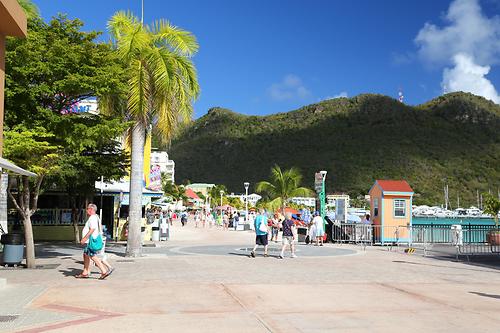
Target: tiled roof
[(394, 186), (190, 194)]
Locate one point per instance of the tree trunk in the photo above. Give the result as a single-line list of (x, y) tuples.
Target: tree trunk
[(134, 243), (28, 237), (26, 204)]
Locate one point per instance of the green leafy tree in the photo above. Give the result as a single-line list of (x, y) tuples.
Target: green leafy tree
[(176, 192), (492, 206), (90, 151), (282, 186), (162, 86), (30, 148), (50, 71), (31, 10), (214, 195), (235, 202)]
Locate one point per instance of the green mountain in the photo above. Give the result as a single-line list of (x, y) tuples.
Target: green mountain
[(454, 138)]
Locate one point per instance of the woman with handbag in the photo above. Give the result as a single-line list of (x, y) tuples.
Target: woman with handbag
[(261, 233), (93, 244)]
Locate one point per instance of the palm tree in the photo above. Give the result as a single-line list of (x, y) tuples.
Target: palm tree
[(162, 85), (282, 186), (214, 194)]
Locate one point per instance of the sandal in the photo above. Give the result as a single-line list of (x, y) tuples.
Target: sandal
[(105, 275), (82, 276)]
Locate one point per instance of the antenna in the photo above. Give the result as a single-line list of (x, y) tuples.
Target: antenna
[(400, 95)]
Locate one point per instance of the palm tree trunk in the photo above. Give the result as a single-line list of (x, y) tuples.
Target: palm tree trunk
[(134, 244)]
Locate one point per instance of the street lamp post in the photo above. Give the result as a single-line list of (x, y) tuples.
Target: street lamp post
[(246, 184), (322, 197)]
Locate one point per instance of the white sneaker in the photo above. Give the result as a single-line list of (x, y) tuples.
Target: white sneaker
[(294, 255)]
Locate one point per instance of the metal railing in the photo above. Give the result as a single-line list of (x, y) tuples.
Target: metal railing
[(469, 239)]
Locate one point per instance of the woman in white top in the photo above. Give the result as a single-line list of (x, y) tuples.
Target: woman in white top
[(319, 230), (91, 229)]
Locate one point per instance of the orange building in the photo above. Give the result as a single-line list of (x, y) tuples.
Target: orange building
[(391, 211)]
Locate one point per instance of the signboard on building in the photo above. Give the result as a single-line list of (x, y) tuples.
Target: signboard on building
[(155, 178)]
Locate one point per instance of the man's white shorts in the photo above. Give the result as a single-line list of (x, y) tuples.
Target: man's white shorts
[(287, 240)]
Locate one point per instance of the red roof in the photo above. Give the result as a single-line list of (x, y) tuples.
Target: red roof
[(394, 186), (190, 194)]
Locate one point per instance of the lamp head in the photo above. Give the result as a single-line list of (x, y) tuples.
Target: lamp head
[(246, 184), (323, 173), (221, 192)]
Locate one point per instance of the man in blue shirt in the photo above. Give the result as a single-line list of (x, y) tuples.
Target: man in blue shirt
[(261, 232)]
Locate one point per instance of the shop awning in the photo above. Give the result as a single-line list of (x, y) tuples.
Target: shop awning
[(4, 164)]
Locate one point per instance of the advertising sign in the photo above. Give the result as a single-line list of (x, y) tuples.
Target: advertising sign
[(155, 178)]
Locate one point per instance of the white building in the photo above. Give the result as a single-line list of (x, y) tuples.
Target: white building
[(304, 201), (167, 166), (252, 198)]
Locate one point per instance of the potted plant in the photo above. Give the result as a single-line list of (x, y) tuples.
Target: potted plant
[(492, 207)]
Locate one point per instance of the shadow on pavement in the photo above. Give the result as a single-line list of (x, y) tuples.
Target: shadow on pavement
[(484, 294), (71, 271)]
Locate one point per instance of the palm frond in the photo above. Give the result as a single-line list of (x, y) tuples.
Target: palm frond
[(139, 92), (178, 40), (121, 24)]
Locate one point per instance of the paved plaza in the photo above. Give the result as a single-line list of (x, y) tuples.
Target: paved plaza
[(203, 280)]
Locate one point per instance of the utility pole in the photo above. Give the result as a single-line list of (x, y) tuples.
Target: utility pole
[(142, 12)]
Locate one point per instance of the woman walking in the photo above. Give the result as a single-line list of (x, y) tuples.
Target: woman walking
[(319, 230)]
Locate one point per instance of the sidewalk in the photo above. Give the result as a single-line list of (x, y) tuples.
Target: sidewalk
[(203, 281)]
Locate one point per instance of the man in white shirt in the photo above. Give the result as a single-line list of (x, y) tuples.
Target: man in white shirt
[(91, 229)]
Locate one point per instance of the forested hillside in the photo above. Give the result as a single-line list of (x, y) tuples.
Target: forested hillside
[(454, 138)]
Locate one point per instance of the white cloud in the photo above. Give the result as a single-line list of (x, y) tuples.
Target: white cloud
[(470, 42), (470, 77), (291, 87), (400, 59), (342, 94), (469, 31)]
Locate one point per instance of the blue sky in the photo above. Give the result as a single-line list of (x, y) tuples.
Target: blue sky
[(266, 56)]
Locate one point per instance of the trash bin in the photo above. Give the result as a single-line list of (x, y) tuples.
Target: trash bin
[(164, 230), (156, 234), (457, 235), (143, 234), (13, 250)]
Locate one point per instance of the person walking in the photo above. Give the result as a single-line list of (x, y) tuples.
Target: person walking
[(184, 218), (261, 233), (275, 227), (225, 220), (91, 229), (319, 230), (236, 220), (197, 218), (288, 236)]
